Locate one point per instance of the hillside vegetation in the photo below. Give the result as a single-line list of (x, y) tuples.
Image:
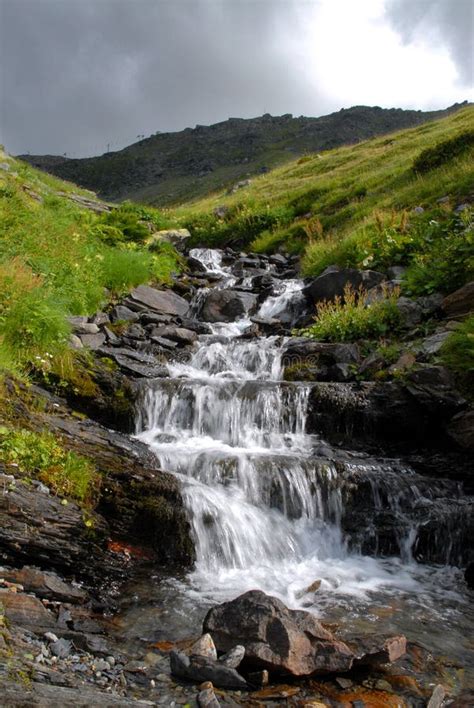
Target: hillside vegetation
[(387, 201), (172, 168), (62, 253)]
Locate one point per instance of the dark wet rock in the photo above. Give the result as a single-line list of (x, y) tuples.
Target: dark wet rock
[(134, 368), (279, 260), (227, 305), (433, 388), (195, 325), (154, 318), (164, 342), (301, 350), (461, 429), (460, 303), (195, 265), (373, 650), (331, 283), (37, 528), (258, 679), (120, 313), (276, 638), (162, 301), (469, 575), (44, 584), (199, 669), (136, 331)]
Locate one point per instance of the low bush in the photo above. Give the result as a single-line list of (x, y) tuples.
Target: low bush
[(40, 456), (443, 152), (457, 352), (353, 317)]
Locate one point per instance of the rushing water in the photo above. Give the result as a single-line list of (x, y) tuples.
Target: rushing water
[(265, 508)]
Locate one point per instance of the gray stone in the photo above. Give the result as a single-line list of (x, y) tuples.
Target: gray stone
[(432, 345), (207, 699), (100, 318), (234, 657), (204, 647), (437, 697), (396, 272), (199, 669), (410, 312), (227, 305), (75, 342), (80, 325), (181, 335), (162, 301), (120, 313), (62, 648), (331, 284), (93, 341), (177, 237)]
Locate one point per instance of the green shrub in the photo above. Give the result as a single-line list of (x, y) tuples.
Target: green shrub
[(40, 455), (443, 152), (444, 256), (457, 352), (126, 220), (353, 317)]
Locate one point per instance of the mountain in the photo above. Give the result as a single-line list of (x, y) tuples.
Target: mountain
[(171, 168)]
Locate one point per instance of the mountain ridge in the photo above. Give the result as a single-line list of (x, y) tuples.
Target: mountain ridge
[(171, 168)]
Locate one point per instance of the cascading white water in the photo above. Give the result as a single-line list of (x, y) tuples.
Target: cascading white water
[(264, 511)]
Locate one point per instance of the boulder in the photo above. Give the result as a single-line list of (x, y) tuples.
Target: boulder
[(460, 303), (332, 282), (164, 302), (177, 237), (276, 638), (410, 311), (432, 345), (26, 610), (302, 350), (461, 429), (181, 335), (227, 305)]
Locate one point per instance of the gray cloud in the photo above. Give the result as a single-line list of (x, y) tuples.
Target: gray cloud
[(449, 22), (76, 75)]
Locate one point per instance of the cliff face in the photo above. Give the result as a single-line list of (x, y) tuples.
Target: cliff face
[(170, 168)]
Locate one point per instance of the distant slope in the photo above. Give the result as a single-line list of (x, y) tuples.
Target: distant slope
[(350, 205), (172, 168)]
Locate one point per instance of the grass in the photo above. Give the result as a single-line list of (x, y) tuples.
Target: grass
[(354, 317), (58, 259), (360, 195), (40, 456)]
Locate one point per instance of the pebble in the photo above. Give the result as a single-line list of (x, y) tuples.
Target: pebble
[(51, 637), (111, 660)]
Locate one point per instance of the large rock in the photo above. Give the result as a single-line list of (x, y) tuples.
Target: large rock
[(460, 303), (276, 638), (26, 610), (331, 283), (461, 429), (44, 584), (227, 305), (177, 237), (304, 350), (199, 669), (162, 301)]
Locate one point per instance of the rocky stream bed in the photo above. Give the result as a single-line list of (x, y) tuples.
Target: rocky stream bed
[(245, 471)]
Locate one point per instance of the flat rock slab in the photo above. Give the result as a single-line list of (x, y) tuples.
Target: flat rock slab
[(162, 301), (44, 584), (26, 610)]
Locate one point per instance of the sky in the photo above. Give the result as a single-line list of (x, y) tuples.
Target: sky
[(80, 77)]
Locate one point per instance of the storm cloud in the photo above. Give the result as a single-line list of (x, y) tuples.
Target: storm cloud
[(83, 76)]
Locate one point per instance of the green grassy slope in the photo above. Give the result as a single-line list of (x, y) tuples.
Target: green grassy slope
[(60, 257), (172, 168), (344, 205)]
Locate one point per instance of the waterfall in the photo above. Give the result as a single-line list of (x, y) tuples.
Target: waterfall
[(266, 510)]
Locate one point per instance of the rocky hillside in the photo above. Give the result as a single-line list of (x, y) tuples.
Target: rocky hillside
[(170, 168)]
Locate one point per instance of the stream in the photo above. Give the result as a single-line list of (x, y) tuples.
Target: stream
[(267, 505)]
